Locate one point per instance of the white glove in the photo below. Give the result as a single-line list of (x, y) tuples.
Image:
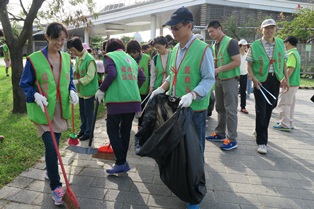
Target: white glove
[(40, 101), (74, 97), (186, 100), (99, 95), (159, 90), (75, 82)]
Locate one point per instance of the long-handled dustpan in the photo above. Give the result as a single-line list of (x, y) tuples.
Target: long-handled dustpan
[(87, 150)]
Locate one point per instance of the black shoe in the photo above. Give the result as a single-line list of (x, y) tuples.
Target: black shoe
[(79, 134), (84, 137)]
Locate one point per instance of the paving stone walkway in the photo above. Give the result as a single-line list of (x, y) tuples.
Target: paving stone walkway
[(237, 179)]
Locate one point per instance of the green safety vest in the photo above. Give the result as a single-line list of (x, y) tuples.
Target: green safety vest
[(124, 88), (188, 75), (6, 49), (160, 71), (91, 88), (44, 75), (261, 61), (223, 58), (294, 79), (144, 66)]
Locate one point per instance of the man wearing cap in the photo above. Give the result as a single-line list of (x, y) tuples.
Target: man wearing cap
[(191, 73), (287, 99), (267, 68), (227, 70), (243, 74), (86, 84)]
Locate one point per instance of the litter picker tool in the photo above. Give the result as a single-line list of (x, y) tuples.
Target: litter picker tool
[(266, 96), (143, 102), (69, 198), (146, 98), (269, 93), (73, 140)]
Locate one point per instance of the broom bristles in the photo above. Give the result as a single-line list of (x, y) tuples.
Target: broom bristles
[(105, 152), (69, 199), (104, 155), (73, 141)]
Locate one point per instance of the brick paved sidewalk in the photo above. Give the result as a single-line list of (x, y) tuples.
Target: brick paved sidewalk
[(238, 179)]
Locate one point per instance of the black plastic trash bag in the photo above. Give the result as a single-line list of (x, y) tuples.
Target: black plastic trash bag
[(174, 146), (159, 109)]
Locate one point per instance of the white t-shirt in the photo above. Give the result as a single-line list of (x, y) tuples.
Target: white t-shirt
[(164, 60), (243, 65)]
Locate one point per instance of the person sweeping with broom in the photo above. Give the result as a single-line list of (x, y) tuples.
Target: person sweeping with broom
[(120, 91), (86, 84), (47, 82)]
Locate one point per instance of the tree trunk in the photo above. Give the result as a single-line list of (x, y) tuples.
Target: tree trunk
[(16, 48), (30, 42), (19, 101)]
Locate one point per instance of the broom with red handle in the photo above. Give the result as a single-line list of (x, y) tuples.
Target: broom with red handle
[(69, 199)]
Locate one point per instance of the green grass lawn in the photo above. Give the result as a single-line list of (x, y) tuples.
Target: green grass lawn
[(21, 148), (306, 82)]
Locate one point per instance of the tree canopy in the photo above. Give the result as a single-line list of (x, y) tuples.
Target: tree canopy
[(301, 26), (249, 30), (53, 10)]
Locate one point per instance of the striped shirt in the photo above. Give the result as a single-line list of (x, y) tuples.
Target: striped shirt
[(269, 49)]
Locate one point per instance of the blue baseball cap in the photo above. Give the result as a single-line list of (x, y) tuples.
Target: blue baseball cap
[(182, 14)]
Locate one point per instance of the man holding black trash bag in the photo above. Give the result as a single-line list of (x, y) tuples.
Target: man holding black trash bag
[(268, 70), (191, 73)]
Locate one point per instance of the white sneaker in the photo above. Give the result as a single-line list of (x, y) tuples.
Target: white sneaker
[(46, 176), (262, 149)]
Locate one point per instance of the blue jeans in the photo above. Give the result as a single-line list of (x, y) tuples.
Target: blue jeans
[(86, 114), (52, 159), (119, 131), (199, 120), (248, 87)]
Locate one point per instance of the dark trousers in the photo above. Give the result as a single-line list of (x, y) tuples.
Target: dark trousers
[(119, 131), (243, 84), (86, 114), (263, 109), (52, 159)]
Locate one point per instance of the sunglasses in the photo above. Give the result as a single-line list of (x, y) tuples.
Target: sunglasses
[(176, 27)]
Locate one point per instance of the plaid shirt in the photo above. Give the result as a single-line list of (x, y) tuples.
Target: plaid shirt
[(269, 48)]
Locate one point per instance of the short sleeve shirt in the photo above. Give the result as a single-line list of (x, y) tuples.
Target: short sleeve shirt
[(292, 61)]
